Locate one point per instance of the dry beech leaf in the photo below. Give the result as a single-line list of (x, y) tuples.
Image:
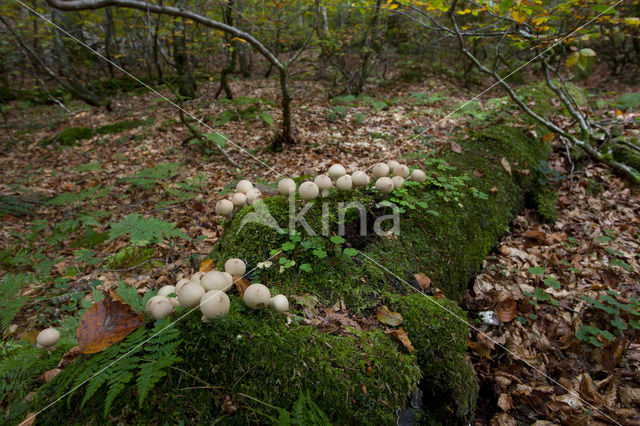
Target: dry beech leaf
[(206, 265), (538, 236), (69, 356), (438, 294), (388, 317), (506, 309), (401, 336), (506, 165), (423, 280), (241, 284), (105, 323), (29, 419), (505, 402), (48, 375), (494, 190), (479, 349), (478, 173), (455, 147), (612, 353), (548, 137)]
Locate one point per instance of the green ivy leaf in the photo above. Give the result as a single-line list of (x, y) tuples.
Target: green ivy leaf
[(350, 251), (552, 282), (337, 239), (537, 270)]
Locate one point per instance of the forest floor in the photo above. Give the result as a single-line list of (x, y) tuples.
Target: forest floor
[(541, 279)]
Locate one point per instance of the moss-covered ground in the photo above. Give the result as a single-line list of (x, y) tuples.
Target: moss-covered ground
[(357, 377)]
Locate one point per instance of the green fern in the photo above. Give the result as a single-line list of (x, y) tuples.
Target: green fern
[(10, 302), (145, 231), (148, 178), (304, 412), (143, 356)]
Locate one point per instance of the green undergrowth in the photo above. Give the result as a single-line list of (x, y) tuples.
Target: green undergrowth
[(252, 357), (72, 135)]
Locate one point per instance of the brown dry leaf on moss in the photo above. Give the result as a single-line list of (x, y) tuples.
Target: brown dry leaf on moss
[(241, 284), (423, 280), (506, 308), (402, 337), (385, 316), (105, 323)]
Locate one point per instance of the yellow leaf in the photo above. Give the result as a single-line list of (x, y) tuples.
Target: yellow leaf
[(518, 16), (548, 137), (464, 12), (572, 59), (239, 39)]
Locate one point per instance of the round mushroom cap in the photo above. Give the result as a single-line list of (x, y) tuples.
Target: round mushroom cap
[(239, 199), (392, 165), (190, 294), (287, 186), (180, 283), (160, 309), (401, 170), (257, 296), (167, 290), (224, 208), (398, 181), (244, 186), (235, 266), (48, 337), (279, 303), (153, 300), (214, 280), (360, 178), (384, 184), (252, 195), (344, 183), (196, 277), (323, 182), (336, 171), (229, 278), (380, 170), (418, 176), (308, 191), (215, 304)]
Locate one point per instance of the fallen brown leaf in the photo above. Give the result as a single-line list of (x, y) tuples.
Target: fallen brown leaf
[(506, 165), (401, 336), (105, 323), (455, 147), (388, 317), (423, 280), (206, 265)]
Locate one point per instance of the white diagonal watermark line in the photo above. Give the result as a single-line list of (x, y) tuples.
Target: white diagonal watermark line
[(151, 89), (444, 308), (138, 346), (501, 80)]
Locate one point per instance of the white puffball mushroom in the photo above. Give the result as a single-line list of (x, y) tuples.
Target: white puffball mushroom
[(384, 184), (344, 183), (323, 182), (180, 283), (190, 294), (153, 300), (287, 186), (239, 199), (360, 179), (336, 171), (235, 266), (166, 291), (380, 170), (48, 338), (257, 296), (252, 195), (401, 170), (418, 176), (224, 208), (196, 277), (392, 165), (244, 186), (398, 181), (161, 308), (214, 280), (308, 191), (279, 303), (228, 277), (215, 304), (204, 319)]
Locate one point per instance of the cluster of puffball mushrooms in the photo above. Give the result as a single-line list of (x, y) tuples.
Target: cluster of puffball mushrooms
[(206, 290), (337, 176)]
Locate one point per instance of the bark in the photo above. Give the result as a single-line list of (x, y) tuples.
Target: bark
[(108, 39), (186, 82)]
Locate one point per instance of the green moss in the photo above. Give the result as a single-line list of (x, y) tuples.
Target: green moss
[(438, 331), (119, 127), (624, 154), (70, 136), (544, 201), (357, 378), (541, 94)]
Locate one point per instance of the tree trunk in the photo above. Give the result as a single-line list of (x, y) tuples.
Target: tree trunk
[(286, 137), (186, 82), (108, 39)]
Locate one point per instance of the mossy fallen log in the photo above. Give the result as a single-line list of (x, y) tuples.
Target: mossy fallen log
[(257, 361)]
